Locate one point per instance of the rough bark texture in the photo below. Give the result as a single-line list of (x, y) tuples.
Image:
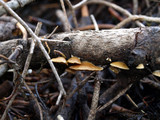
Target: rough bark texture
[(6, 30), (96, 46)]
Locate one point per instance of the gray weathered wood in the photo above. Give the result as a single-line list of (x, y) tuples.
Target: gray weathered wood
[(93, 46)]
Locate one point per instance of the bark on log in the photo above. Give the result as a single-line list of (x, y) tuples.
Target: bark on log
[(96, 46)]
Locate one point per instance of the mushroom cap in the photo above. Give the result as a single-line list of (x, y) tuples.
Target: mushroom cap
[(86, 66), (74, 60), (59, 60), (156, 73), (120, 65), (109, 59), (140, 66)]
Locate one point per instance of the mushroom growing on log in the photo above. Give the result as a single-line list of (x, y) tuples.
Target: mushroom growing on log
[(132, 46)]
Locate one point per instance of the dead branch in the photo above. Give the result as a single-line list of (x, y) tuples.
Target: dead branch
[(137, 17), (93, 110), (96, 46), (93, 46), (14, 4), (110, 99), (67, 24)]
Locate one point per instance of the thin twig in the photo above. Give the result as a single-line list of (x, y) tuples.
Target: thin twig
[(49, 50), (78, 5), (14, 4), (93, 110), (60, 14), (112, 5), (11, 59), (56, 41), (109, 4), (35, 99), (39, 98), (23, 30), (114, 13), (137, 17), (130, 99), (39, 43), (114, 99), (73, 13), (52, 32), (8, 106), (80, 85), (59, 98), (29, 57), (135, 7), (94, 22), (16, 79), (67, 24)]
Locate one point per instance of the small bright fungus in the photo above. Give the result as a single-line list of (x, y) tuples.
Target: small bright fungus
[(86, 66), (120, 65), (74, 60), (59, 60), (156, 73)]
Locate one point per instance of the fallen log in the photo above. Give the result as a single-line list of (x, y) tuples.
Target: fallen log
[(132, 46), (135, 45)]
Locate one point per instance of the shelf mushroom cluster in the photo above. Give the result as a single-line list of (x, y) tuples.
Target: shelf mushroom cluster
[(121, 65), (75, 64)]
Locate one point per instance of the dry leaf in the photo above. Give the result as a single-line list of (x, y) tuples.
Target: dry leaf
[(86, 66), (120, 65)]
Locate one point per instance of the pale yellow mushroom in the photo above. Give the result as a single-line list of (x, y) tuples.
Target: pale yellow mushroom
[(140, 66), (86, 66), (156, 73), (59, 60), (120, 65), (74, 60)]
